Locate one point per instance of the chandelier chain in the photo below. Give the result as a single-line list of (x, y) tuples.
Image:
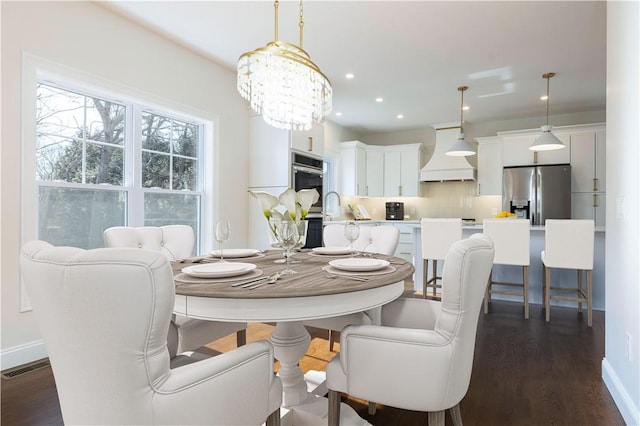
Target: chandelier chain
[(301, 24)]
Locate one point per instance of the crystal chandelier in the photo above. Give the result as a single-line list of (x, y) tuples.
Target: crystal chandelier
[(461, 148), (547, 141), (282, 83)]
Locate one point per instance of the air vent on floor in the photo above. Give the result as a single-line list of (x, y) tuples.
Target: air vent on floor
[(24, 369)]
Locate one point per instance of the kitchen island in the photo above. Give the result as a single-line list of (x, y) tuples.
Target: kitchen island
[(506, 273)]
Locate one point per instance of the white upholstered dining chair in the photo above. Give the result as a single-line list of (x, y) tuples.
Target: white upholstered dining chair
[(381, 239), (104, 315), (175, 242), (418, 332)]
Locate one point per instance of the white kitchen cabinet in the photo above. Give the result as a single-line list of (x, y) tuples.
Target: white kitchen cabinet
[(405, 249), (489, 166), (516, 150), (588, 157), (354, 167), (374, 171), (402, 170), (309, 141), (269, 155)]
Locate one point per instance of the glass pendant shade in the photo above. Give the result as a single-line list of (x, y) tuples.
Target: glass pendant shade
[(461, 148), (547, 141), (283, 85)]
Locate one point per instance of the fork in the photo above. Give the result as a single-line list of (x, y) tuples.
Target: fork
[(271, 280)]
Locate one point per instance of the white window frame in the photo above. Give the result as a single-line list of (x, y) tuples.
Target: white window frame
[(35, 69)]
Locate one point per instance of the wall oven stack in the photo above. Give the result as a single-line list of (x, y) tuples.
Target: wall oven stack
[(307, 173)]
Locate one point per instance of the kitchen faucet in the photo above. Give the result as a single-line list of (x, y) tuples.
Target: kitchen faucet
[(324, 205)]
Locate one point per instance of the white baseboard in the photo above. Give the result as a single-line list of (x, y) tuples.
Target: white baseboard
[(621, 397), (23, 354)]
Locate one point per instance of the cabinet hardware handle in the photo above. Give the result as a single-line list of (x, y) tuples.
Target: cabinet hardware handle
[(400, 190), (535, 157), (596, 184), (310, 144), (596, 201), (366, 190)]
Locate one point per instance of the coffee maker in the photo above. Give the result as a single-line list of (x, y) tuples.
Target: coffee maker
[(395, 211)]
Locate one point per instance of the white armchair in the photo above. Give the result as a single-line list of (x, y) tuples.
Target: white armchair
[(372, 239), (104, 315), (175, 242), (386, 363)]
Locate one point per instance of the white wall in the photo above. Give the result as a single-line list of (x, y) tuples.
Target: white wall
[(90, 39), (622, 373)]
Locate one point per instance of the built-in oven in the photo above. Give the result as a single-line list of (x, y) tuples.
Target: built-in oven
[(307, 173)]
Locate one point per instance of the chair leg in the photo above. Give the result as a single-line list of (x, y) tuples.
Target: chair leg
[(425, 268), (455, 415), (435, 275), (589, 299), (547, 292), (241, 337), (579, 289), (525, 290), (334, 408), (273, 419), (436, 418), (372, 408), (332, 339), (487, 295)]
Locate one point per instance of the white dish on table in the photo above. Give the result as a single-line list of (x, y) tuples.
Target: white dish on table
[(331, 250), (235, 253), (218, 269), (359, 264)]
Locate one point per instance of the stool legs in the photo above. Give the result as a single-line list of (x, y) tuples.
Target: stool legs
[(581, 297), (547, 292), (433, 279), (525, 290)]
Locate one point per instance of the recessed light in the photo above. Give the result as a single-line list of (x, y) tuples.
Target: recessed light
[(465, 108), (349, 75), (379, 100), (400, 116), (544, 98), (339, 114)]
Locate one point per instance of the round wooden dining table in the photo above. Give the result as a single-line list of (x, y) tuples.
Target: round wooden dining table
[(316, 290)]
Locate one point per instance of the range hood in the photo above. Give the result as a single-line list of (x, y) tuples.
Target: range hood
[(442, 166)]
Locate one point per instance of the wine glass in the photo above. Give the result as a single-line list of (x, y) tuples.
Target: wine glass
[(351, 233), (223, 233), (288, 238)]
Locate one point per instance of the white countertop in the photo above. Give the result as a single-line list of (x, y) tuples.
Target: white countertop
[(416, 223)]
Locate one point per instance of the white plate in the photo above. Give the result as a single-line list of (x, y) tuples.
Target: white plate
[(331, 250), (359, 264), (234, 253), (218, 269)]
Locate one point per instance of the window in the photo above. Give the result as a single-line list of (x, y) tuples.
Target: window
[(101, 162)]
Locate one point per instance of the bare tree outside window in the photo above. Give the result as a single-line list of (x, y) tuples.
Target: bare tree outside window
[(80, 167)]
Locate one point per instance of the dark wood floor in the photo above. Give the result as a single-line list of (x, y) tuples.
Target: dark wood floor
[(524, 373)]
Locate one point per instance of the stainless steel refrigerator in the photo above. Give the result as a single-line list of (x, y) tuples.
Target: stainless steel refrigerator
[(537, 193)]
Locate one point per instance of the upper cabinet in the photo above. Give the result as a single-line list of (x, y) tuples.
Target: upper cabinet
[(376, 171), (354, 168), (489, 166), (588, 157), (402, 170), (309, 141), (516, 150)]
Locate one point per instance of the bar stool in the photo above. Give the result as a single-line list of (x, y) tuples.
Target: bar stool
[(568, 244), (437, 236), (511, 244)]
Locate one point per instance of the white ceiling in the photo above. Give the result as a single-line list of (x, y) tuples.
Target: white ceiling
[(414, 54)]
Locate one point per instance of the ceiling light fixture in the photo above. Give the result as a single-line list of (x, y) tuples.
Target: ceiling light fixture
[(282, 83), (547, 141), (461, 148)]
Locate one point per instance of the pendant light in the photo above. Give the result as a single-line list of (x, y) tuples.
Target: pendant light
[(461, 148), (282, 83), (547, 141)]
